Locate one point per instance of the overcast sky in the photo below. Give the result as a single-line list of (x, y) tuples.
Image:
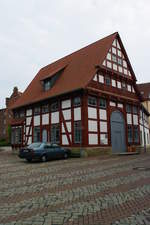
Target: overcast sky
[(34, 33)]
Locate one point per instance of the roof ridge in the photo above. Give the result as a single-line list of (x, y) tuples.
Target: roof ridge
[(76, 51)]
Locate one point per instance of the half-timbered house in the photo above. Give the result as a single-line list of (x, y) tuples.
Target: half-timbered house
[(87, 99)]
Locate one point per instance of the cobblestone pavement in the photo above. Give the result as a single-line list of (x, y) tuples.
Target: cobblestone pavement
[(90, 191)]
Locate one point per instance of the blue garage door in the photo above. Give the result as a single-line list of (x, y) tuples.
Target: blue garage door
[(118, 132)]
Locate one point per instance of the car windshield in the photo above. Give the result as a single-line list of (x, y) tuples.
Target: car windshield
[(35, 145)]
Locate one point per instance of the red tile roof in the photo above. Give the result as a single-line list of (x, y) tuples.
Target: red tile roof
[(145, 89), (79, 70)]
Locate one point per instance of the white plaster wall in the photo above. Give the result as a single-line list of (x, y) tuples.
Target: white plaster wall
[(62, 127), (103, 126), (27, 130), (68, 124), (36, 120), (120, 105), (93, 139), (135, 119), (70, 135), (29, 140), (77, 114), (129, 87), (101, 79), (112, 103), (65, 139), (29, 112), (109, 56), (45, 119), (92, 125), (102, 114), (67, 114), (113, 83), (28, 120), (30, 131), (129, 118), (92, 113), (54, 117), (66, 104), (95, 78)]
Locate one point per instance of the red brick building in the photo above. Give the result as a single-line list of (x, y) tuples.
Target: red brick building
[(6, 114), (88, 98)]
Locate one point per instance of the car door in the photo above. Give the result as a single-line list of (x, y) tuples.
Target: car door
[(58, 152), (49, 151)]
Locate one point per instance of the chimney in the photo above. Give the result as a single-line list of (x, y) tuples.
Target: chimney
[(7, 102), (15, 91)]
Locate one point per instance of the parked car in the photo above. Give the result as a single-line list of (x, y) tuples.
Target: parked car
[(43, 151)]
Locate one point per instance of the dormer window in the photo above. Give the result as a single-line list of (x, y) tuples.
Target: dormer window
[(49, 80), (47, 84)]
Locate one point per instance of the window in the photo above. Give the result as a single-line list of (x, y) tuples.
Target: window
[(128, 108), (119, 61), (136, 134), (22, 113), (16, 115), (123, 85), (45, 108), (55, 133), (36, 133), (114, 58), (54, 106), (36, 110), (47, 85), (135, 110), (102, 103), (77, 132), (104, 139), (16, 136), (107, 80), (113, 83), (124, 64), (92, 101), (130, 137), (77, 101), (129, 87), (113, 50)]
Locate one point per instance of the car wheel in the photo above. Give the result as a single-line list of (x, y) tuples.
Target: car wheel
[(29, 160), (65, 155), (43, 158)]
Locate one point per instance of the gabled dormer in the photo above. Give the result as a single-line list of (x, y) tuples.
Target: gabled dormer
[(49, 81)]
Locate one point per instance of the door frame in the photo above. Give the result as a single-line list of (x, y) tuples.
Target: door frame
[(124, 125)]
